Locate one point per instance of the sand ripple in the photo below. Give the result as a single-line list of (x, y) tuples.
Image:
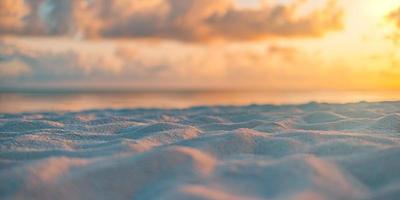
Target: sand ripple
[(311, 151)]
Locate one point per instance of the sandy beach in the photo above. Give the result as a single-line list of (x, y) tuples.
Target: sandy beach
[(308, 151)]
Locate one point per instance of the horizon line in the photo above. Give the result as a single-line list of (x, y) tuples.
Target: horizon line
[(171, 90)]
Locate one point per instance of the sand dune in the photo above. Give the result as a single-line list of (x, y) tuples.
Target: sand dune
[(310, 151)]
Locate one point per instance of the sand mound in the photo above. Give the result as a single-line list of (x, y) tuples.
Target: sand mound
[(28, 125), (130, 174), (388, 123), (245, 141), (311, 151), (144, 131), (321, 117)]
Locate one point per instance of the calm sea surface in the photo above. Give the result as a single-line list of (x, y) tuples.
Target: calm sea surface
[(35, 101)]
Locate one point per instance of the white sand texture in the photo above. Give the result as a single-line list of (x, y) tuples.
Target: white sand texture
[(304, 152)]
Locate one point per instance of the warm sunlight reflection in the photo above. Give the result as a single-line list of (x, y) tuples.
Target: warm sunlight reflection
[(76, 101), (245, 45), (378, 9)]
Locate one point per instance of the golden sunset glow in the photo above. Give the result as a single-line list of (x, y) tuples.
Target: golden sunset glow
[(333, 45), (200, 99)]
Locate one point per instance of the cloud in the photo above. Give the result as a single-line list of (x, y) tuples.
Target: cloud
[(182, 20), (288, 54), (278, 21), (394, 17), (20, 61), (140, 65), (13, 68), (11, 15)]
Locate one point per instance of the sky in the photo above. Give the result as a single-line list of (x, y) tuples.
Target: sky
[(200, 44)]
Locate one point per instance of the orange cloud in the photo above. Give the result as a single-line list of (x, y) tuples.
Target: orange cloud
[(183, 20), (11, 14), (289, 54), (278, 21), (394, 17), (277, 66)]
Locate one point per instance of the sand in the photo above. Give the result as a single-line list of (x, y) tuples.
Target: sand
[(309, 151)]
